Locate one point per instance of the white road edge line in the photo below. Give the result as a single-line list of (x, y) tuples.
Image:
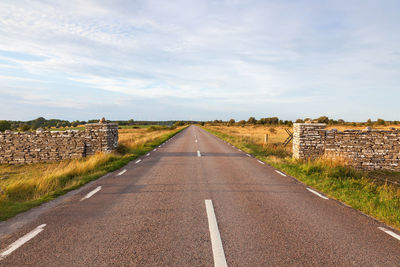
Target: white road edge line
[(91, 193), (216, 242), (281, 173), (248, 155), (316, 193), (148, 154), (155, 149), (14, 246), (195, 141), (390, 232), (198, 153), (139, 160), (124, 171), (261, 162)]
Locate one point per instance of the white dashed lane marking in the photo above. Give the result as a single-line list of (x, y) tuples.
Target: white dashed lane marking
[(316, 193), (122, 172), (216, 242), (14, 246), (91, 193), (281, 173), (393, 234)]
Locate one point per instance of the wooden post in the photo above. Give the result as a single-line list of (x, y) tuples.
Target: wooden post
[(265, 138)]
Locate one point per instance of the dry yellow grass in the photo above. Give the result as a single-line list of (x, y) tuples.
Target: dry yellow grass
[(135, 138), (256, 133), (26, 182)]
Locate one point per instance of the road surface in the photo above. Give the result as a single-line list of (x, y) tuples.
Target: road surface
[(197, 201)]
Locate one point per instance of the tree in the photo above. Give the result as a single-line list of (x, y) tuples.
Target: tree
[(179, 123), (323, 119), (262, 121), (4, 125), (299, 121), (24, 128), (231, 121), (242, 122), (380, 122), (252, 120)]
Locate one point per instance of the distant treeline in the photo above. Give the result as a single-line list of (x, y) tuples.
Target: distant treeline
[(54, 123), (323, 119)]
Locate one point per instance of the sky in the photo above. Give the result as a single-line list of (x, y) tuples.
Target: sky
[(199, 60)]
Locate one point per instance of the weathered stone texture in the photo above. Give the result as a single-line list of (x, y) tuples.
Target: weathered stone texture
[(46, 146), (367, 149)]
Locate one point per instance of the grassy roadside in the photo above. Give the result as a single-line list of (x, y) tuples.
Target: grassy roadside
[(333, 178), (25, 186)]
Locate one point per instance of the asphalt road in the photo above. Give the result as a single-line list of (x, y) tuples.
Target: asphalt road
[(196, 201)]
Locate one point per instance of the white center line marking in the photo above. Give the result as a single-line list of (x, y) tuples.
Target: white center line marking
[(281, 173), (261, 162), (195, 141), (390, 233), (148, 154), (316, 193), (216, 242), (248, 155), (91, 193), (124, 171), (22, 241), (198, 153), (139, 160)]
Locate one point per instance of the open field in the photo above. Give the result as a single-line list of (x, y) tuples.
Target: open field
[(26, 186), (355, 188)]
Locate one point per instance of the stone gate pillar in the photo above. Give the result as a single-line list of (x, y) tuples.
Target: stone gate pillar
[(308, 140)]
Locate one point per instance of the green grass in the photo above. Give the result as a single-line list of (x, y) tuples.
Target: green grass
[(350, 186), (20, 194)]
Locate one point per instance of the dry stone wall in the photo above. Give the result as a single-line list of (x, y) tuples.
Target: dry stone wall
[(47, 146), (368, 149)]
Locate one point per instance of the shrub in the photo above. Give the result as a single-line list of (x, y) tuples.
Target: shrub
[(4, 125), (24, 128)]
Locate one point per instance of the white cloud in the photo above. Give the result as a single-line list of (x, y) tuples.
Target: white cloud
[(250, 54)]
